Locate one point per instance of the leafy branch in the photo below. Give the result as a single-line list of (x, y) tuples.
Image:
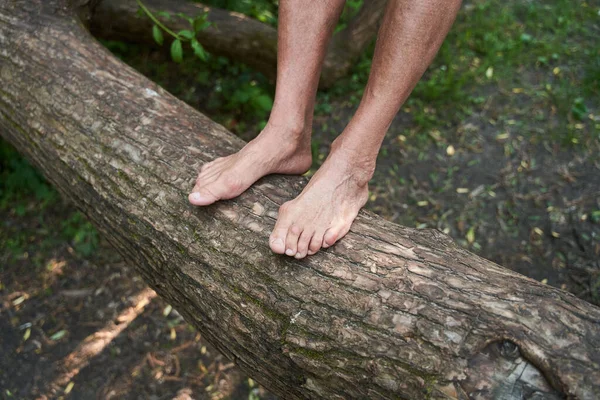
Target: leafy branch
[(187, 35)]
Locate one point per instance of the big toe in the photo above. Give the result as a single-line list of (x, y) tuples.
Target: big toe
[(202, 197), (277, 245), (277, 240)]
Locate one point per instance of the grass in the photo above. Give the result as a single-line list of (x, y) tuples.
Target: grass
[(19, 181), (489, 47), (25, 192)]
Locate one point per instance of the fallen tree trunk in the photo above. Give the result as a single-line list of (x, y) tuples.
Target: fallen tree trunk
[(389, 312), (234, 35)]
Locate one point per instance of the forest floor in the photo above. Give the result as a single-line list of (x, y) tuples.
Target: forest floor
[(499, 147)]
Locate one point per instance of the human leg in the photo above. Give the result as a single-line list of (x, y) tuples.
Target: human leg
[(305, 28), (410, 36)]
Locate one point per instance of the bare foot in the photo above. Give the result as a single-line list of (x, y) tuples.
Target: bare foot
[(323, 213), (274, 150)]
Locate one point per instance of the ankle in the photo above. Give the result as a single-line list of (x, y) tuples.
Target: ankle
[(295, 130), (289, 135), (355, 164)]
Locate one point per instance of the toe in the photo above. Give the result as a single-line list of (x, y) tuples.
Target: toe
[(214, 185), (279, 234), (207, 176), (303, 243), (315, 243), (277, 239), (334, 234), (291, 240), (202, 197), (331, 236), (344, 231)]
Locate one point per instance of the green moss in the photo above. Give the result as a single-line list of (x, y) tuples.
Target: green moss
[(268, 311), (430, 390), (308, 353)]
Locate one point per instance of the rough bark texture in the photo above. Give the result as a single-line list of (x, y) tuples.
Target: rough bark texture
[(234, 35), (389, 312)]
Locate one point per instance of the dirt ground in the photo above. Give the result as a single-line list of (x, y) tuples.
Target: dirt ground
[(89, 328)]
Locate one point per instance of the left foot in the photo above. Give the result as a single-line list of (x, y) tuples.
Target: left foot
[(323, 213), (274, 150)]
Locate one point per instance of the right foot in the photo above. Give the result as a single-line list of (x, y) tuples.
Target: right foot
[(273, 151), (323, 213)]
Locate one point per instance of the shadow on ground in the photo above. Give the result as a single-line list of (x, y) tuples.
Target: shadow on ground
[(88, 327)]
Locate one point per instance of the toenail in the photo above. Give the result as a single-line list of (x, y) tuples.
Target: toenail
[(289, 252), (277, 241), (195, 196), (298, 255)]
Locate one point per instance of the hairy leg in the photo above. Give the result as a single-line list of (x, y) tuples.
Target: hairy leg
[(410, 36), (305, 28)]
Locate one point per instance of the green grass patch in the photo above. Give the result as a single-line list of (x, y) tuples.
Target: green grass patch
[(26, 195), (548, 50), (20, 181)]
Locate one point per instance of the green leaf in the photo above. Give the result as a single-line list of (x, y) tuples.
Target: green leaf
[(471, 235), (199, 50), (58, 335), (579, 110), (167, 310), (526, 38), (164, 14), (263, 102), (201, 23), (157, 34), (186, 17), (177, 51), (189, 35)]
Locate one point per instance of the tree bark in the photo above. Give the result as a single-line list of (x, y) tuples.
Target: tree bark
[(388, 312), (234, 35)]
